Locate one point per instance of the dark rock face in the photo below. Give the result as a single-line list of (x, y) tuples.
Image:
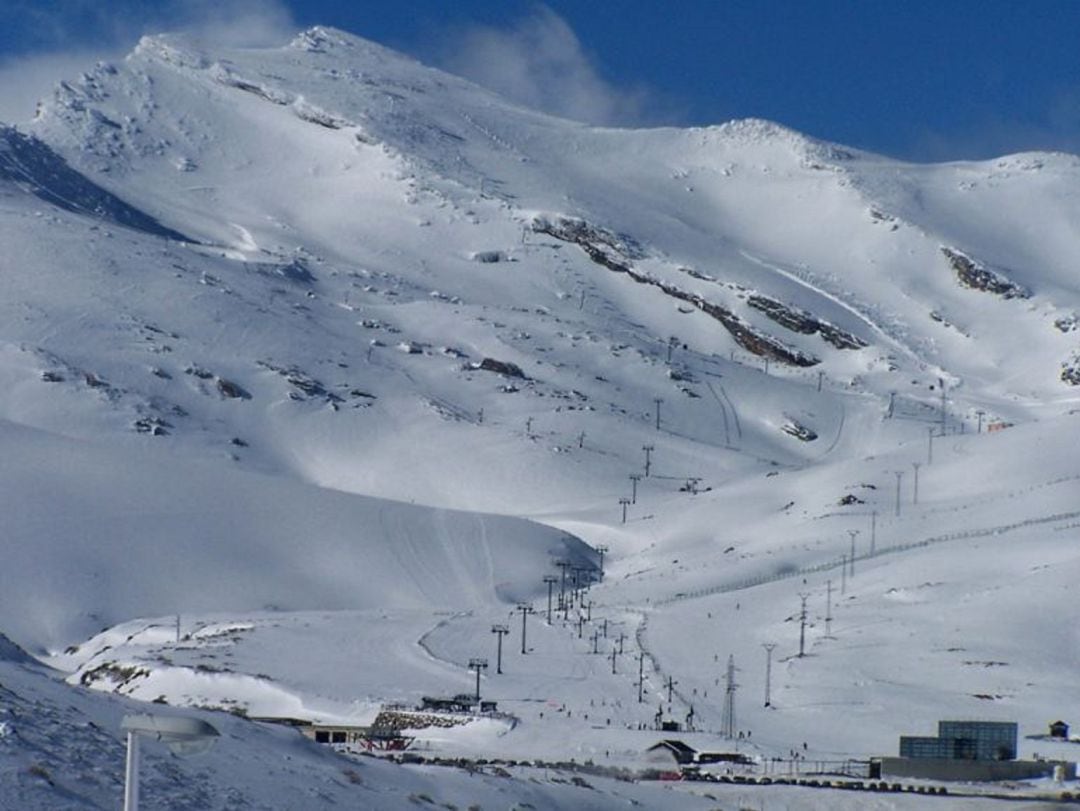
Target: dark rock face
[(1070, 372), (593, 242), (231, 391), (799, 431), (973, 275), (798, 320), (501, 367)]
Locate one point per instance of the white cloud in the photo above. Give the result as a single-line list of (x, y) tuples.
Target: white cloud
[(83, 32), (24, 81), (540, 63)]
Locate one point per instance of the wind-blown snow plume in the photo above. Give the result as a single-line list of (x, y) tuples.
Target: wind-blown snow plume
[(541, 63)]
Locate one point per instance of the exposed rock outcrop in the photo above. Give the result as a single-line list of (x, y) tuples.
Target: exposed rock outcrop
[(977, 277)]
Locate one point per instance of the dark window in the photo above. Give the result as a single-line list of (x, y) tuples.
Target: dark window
[(322, 736)]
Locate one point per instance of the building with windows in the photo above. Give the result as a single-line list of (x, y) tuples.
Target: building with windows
[(969, 750), (965, 740)]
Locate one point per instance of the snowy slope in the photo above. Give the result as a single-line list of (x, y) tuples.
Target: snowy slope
[(335, 356)]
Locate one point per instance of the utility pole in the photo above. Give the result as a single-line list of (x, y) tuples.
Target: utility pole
[(648, 457), (525, 610), (581, 440), (588, 609), (802, 626), (478, 665), (596, 640), (670, 685), (634, 479), (658, 401), (915, 484), (563, 565), (580, 624), (944, 417), (980, 414), (501, 631), (828, 609), (853, 533), (899, 476), (640, 677), (601, 550), (614, 653), (728, 719), (624, 502), (550, 580), (622, 638), (768, 671), (892, 403)]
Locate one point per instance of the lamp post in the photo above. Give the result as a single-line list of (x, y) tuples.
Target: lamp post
[(183, 735)]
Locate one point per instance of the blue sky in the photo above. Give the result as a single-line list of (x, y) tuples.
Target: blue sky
[(915, 79)]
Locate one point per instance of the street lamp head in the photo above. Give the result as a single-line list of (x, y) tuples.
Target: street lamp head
[(183, 735)]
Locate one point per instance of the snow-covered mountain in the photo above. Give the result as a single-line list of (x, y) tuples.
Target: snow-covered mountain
[(335, 356)]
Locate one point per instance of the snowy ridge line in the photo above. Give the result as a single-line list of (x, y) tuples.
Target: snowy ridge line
[(759, 580)]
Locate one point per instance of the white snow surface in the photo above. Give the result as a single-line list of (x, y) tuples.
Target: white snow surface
[(314, 361)]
